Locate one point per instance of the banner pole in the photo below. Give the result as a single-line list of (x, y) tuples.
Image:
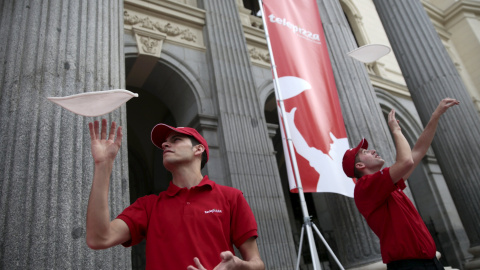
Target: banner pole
[(303, 204)]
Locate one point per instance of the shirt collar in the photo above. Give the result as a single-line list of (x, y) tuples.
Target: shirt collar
[(207, 183), (400, 184)]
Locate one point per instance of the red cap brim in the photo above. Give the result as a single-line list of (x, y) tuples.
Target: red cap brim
[(161, 131)]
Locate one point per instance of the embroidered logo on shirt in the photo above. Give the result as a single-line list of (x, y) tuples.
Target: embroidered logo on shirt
[(213, 211)]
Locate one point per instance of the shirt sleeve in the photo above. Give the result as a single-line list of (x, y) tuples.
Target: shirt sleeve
[(372, 190), (136, 217), (243, 224)]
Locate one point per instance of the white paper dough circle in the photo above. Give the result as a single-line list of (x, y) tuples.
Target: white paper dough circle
[(369, 53), (94, 103)]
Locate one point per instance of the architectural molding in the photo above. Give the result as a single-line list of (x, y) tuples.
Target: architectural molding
[(192, 3), (460, 10), (389, 100), (389, 86), (172, 9), (255, 37), (243, 12), (437, 17), (205, 105), (356, 21), (149, 46), (445, 19), (203, 121), (180, 24), (257, 43), (455, 25), (272, 130)]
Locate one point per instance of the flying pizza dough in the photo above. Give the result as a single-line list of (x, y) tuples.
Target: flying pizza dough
[(94, 103), (369, 53)]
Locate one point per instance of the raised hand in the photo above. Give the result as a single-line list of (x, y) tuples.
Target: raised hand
[(104, 149), (101, 232), (393, 123), (425, 139), (444, 105)]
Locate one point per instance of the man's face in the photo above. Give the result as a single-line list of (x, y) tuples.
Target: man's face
[(177, 150), (370, 159)]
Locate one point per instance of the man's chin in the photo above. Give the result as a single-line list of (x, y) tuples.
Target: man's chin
[(168, 164)]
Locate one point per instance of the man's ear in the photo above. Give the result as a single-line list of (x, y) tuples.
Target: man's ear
[(199, 149), (359, 165)]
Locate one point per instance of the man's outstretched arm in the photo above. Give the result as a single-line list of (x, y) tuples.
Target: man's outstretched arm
[(101, 232), (403, 161), (425, 139)]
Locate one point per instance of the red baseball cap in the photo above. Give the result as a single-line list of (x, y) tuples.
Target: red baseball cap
[(160, 133), (348, 162)]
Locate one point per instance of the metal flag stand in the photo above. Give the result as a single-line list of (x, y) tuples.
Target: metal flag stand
[(307, 222)]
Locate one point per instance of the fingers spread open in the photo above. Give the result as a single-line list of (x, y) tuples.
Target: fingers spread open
[(96, 127), (111, 135), (92, 132), (104, 129), (119, 136)]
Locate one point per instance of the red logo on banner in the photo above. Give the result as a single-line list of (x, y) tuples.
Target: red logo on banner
[(310, 96)]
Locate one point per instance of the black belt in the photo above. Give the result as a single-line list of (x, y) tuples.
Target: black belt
[(415, 263)]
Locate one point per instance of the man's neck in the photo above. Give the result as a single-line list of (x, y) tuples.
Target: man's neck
[(371, 171), (186, 177)]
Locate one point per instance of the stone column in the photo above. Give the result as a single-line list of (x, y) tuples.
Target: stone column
[(357, 244), (243, 136), (55, 48), (431, 76)]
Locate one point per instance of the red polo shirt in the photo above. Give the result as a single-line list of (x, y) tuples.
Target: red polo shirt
[(393, 218), (180, 224)]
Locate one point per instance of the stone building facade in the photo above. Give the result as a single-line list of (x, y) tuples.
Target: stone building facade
[(205, 64)]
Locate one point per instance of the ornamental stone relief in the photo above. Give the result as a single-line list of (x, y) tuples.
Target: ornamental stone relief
[(149, 42), (149, 45), (255, 37), (259, 57), (167, 28)]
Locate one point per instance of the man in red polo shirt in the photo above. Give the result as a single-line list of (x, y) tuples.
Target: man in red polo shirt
[(195, 222), (405, 241)]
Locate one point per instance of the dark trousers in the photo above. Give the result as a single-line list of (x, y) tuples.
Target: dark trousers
[(415, 264)]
